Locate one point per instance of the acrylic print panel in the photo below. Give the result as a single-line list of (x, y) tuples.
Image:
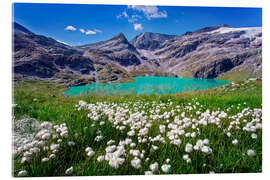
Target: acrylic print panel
[(136, 90)]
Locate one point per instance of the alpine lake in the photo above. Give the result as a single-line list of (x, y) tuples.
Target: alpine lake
[(147, 85)]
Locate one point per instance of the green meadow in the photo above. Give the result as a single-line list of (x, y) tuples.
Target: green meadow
[(227, 117)]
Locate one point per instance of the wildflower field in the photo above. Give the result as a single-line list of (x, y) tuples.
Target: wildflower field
[(217, 130)]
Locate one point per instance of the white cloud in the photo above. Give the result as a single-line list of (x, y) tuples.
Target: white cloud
[(149, 11), (98, 31), (138, 27), (70, 28), (123, 14), (131, 18), (90, 32), (87, 32), (134, 18), (82, 30)]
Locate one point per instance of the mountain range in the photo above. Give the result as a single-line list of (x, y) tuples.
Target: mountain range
[(211, 52)]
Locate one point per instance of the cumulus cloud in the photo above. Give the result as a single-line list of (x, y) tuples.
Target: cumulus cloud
[(149, 11), (90, 32), (70, 28), (131, 17), (138, 27), (134, 18), (82, 30)]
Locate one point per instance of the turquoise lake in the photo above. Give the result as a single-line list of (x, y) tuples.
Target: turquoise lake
[(147, 85)]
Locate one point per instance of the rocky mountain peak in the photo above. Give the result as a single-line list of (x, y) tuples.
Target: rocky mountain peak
[(149, 40), (120, 37)]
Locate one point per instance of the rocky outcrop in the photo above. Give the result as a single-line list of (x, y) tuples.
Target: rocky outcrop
[(215, 68), (41, 66)]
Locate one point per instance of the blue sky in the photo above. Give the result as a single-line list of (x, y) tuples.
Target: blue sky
[(82, 24)]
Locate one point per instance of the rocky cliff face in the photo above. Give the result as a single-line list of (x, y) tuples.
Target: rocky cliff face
[(211, 52), (206, 53), (43, 57)]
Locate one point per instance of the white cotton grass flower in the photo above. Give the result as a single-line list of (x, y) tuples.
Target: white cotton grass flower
[(206, 141), (148, 173), (135, 152), (251, 152), (115, 162), (110, 142), (64, 134), (154, 167), (206, 150), (98, 138), (176, 142), (46, 136), (165, 168), (221, 166), (188, 134), (71, 143), (254, 136), (69, 171), (90, 153), (188, 148), (52, 156), (131, 133), (22, 173), (110, 149), (235, 142), (132, 145), (34, 150), (168, 160), (54, 146), (45, 159), (88, 149), (154, 147), (27, 154), (24, 159), (162, 128), (193, 135), (185, 157), (136, 163), (100, 158)]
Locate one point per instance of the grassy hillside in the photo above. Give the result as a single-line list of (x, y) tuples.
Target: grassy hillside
[(167, 131)]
